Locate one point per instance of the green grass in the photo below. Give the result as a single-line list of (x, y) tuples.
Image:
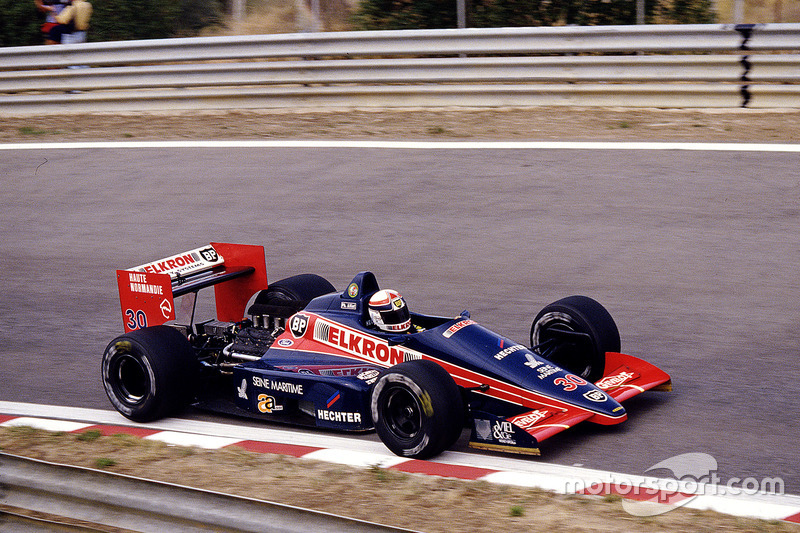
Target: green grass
[(104, 462), (89, 436), (34, 131), (30, 130)]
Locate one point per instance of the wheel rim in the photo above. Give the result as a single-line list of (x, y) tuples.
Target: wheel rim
[(551, 345), (402, 413), (130, 378)]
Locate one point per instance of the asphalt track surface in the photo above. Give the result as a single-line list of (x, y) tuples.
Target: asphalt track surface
[(694, 253)]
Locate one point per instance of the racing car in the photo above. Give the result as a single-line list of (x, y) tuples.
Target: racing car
[(299, 351)]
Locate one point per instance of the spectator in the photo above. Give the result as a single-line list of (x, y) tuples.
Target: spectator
[(76, 15), (75, 21), (51, 9)]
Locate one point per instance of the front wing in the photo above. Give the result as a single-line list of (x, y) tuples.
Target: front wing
[(624, 377)]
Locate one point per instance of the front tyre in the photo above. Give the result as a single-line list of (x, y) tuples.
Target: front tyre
[(417, 409), (575, 333), (149, 373)]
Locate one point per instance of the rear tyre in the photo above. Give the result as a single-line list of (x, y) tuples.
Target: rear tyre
[(417, 409), (150, 373), (285, 297), (300, 288), (575, 333)]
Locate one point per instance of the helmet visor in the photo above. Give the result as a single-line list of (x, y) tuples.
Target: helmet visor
[(396, 317)]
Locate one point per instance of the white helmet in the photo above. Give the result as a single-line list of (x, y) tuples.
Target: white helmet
[(389, 311)]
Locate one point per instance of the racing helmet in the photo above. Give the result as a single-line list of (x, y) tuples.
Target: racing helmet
[(389, 311)]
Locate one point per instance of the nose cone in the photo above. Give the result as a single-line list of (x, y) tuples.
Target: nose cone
[(609, 411)]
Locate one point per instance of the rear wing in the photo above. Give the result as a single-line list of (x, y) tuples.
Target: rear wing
[(147, 292)]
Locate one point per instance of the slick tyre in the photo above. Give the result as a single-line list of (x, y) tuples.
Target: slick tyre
[(575, 333), (300, 288), (149, 373), (417, 409), (285, 297)]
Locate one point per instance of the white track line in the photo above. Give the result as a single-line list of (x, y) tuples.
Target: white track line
[(415, 145)]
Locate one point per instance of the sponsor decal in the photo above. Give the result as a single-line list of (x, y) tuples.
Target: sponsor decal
[(210, 254), (595, 395), (352, 290), (298, 324), (612, 382), (327, 370), (268, 404), (361, 346), (349, 306), (335, 397), (458, 326), (531, 361), (528, 420), (546, 370), (369, 376), (173, 263), (341, 371), (166, 308), (503, 432), (339, 416), (138, 283), (280, 386), (185, 263), (285, 343), (242, 390), (502, 354)]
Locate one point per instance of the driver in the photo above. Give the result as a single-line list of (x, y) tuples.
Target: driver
[(389, 312)]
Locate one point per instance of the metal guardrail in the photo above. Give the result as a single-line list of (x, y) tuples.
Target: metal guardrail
[(661, 66), (80, 495)]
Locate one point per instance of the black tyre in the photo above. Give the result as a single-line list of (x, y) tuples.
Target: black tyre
[(150, 373), (417, 409), (575, 333), (285, 297), (300, 288)]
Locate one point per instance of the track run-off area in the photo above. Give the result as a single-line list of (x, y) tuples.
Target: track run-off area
[(691, 246), (643, 495)]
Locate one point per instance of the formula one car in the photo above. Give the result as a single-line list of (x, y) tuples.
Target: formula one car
[(298, 351)]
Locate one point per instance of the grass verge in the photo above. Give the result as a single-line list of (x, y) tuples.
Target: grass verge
[(424, 503)]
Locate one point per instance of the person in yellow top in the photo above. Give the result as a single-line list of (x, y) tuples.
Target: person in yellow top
[(73, 23)]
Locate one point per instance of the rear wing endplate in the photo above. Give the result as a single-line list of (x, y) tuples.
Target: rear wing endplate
[(147, 292)]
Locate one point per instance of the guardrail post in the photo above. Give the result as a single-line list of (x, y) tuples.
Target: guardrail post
[(746, 31), (237, 8)]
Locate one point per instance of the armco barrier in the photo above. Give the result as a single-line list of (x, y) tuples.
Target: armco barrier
[(103, 501), (653, 65)]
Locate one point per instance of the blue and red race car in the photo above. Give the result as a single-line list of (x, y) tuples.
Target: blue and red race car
[(299, 351)]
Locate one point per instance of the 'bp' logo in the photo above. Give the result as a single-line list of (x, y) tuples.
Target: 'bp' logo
[(298, 325), (595, 396)]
